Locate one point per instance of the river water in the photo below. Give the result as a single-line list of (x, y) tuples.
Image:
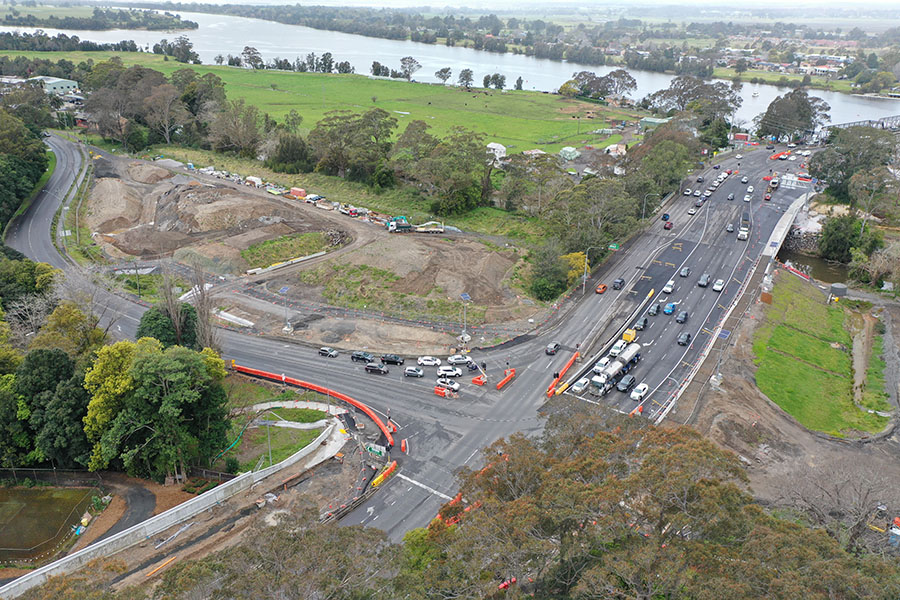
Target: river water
[(225, 35)]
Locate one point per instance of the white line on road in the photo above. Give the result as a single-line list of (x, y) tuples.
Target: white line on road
[(424, 487)]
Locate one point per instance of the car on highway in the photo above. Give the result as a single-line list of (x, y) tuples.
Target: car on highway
[(618, 283), (685, 271), (792, 145), (792, 158), (414, 372), (739, 156), (806, 153), (692, 211), (601, 364), (767, 197), (601, 288), (625, 383), (744, 180), (552, 348), (668, 225), (328, 352), (654, 310), (670, 285), (749, 189), (447, 384), (714, 185), (783, 157), (688, 191), (580, 385), (360, 356), (719, 285), (748, 198), (392, 359), (458, 359), (379, 368), (448, 371), (697, 193), (704, 280), (700, 179), (617, 348), (729, 228), (638, 393), (731, 196), (699, 202), (641, 324), (684, 339), (670, 308), (717, 167), (428, 361), (708, 193), (665, 217), (682, 317), (770, 147)]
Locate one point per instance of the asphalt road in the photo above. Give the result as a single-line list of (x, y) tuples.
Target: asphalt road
[(446, 434)]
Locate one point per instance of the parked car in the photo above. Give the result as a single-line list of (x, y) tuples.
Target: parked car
[(428, 361), (625, 383), (668, 225), (580, 385), (708, 193), (654, 310), (379, 368), (682, 317), (618, 283), (685, 271), (328, 352), (684, 339), (360, 356), (669, 309), (447, 383), (552, 348), (392, 359), (414, 372), (704, 280), (698, 203), (730, 228), (617, 348), (731, 196), (601, 288), (638, 393), (670, 285), (458, 359), (719, 285), (640, 324), (448, 371)]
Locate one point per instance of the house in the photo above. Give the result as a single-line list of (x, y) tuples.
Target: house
[(55, 85), (616, 150), (498, 150), (648, 123)]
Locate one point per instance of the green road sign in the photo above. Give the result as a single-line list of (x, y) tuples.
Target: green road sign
[(614, 246)]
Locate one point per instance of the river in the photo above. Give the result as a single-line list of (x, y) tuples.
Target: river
[(225, 35)]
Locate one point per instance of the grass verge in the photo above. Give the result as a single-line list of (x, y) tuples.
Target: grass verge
[(284, 248), (874, 396)]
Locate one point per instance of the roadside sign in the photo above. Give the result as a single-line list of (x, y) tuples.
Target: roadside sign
[(724, 334), (376, 449), (614, 246), (465, 297), (283, 290)]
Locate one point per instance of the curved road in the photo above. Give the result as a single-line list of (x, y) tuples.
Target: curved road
[(444, 434)]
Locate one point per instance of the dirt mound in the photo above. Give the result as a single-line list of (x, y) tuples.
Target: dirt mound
[(113, 206), (214, 257), (147, 173)]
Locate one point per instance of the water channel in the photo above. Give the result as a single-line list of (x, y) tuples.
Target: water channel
[(819, 269), (225, 35)]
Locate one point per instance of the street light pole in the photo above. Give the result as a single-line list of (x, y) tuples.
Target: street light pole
[(644, 205), (584, 277)]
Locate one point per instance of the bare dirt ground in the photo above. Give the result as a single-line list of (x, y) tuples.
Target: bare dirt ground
[(772, 444)]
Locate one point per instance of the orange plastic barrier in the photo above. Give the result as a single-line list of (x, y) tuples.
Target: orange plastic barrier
[(562, 374), (322, 390), (510, 373), (480, 380), (384, 474), (403, 445)]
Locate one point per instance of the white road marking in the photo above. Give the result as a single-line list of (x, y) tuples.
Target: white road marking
[(424, 487)]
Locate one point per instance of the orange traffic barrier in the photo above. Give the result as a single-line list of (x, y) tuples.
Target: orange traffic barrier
[(403, 445), (510, 373), (384, 474), (562, 373), (480, 380)]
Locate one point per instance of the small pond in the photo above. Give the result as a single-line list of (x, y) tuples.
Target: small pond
[(34, 522), (822, 270)]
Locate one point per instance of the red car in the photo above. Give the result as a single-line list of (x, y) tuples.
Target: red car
[(601, 288), (768, 196), (668, 225)]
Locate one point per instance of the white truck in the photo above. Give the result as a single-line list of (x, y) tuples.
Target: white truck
[(744, 230)]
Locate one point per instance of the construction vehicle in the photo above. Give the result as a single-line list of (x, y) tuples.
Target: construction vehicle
[(349, 210), (401, 224), (429, 227)]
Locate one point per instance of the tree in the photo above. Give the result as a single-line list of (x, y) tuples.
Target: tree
[(741, 65), (850, 151), (519, 82), (236, 127), (414, 145), (466, 77), (486, 82), (157, 323), (444, 74), (841, 234), (498, 81), (252, 58), (59, 429), (549, 272), (453, 173), (793, 114), (408, 66), (69, 329), (350, 144), (871, 190), (618, 82), (666, 164), (569, 89), (219, 59), (291, 155), (689, 92), (292, 121), (165, 111)]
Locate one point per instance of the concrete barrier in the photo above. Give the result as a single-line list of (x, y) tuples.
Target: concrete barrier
[(154, 525)]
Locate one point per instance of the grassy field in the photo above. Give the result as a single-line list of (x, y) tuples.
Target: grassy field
[(874, 396), (42, 11), (816, 81), (299, 415), (802, 353), (284, 248), (518, 120)]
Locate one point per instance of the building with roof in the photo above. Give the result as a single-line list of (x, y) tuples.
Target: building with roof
[(55, 85), (648, 123)]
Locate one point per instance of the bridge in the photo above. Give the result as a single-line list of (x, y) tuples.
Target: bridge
[(882, 123)]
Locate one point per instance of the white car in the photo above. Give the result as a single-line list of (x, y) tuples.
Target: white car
[(688, 191), (448, 371), (428, 361), (670, 285), (458, 359), (806, 153), (640, 391), (719, 285), (617, 348), (749, 189), (748, 198), (447, 383), (692, 211), (601, 364), (580, 385), (744, 180), (792, 157), (739, 156)]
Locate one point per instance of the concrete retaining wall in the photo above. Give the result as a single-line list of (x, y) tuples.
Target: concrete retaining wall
[(154, 525)]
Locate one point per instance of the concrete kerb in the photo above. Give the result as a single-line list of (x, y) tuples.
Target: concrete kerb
[(154, 525)]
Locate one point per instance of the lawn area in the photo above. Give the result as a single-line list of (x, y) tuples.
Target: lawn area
[(300, 415), (244, 392), (816, 81), (256, 440), (799, 369), (874, 396), (284, 248), (520, 120), (43, 11)]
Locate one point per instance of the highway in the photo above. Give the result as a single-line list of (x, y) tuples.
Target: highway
[(447, 434)]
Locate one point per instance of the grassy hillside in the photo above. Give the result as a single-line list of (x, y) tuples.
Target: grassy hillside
[(518, 120)]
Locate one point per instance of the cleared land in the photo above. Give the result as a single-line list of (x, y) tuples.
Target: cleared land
[(804, 363), (816, 81), (518, 120)]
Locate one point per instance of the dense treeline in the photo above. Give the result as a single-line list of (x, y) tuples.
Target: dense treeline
[(102, 19), (41, 42)]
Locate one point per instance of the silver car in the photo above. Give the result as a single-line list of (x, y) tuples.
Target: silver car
[(719, 285)]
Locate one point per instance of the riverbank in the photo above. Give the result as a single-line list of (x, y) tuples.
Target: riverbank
[(785, 79)]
